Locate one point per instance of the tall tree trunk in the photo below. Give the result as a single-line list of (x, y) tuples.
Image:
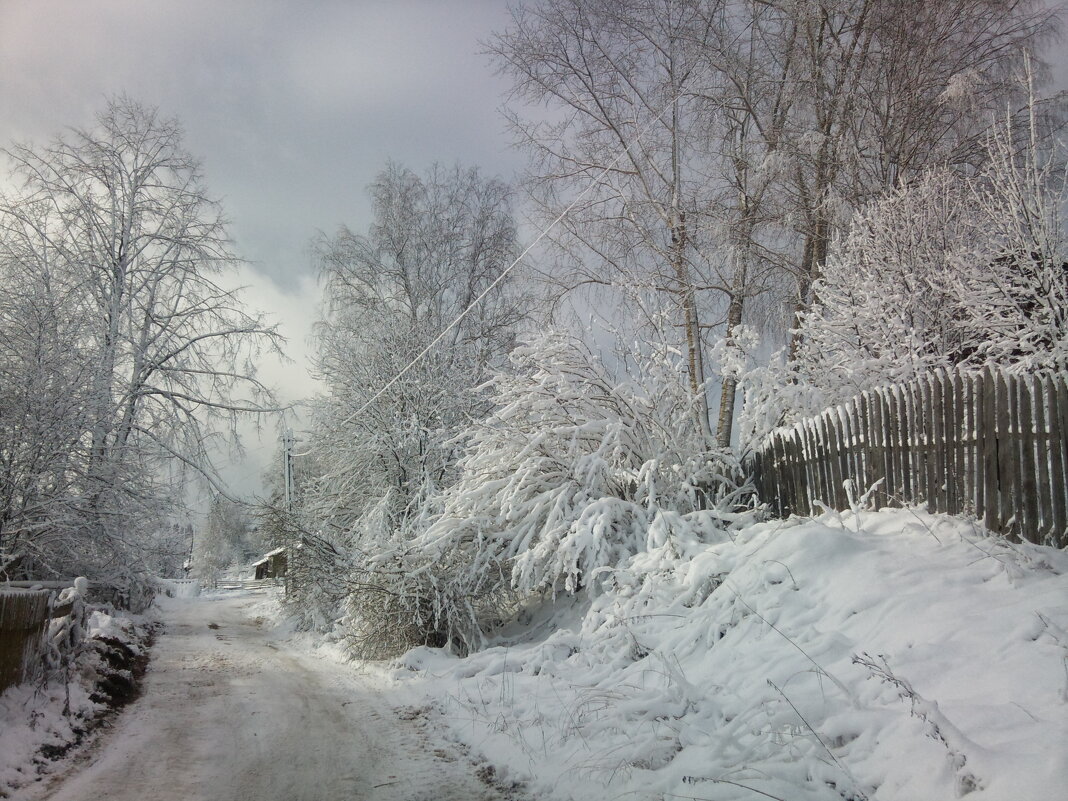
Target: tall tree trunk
[(725, 423), (812, 263), (695, 363)]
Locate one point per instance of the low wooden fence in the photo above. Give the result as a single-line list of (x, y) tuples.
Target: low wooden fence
[(989, 443), (248, 584)]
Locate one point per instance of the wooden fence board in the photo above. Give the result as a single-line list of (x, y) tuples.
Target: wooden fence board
[(938, 431), (914, 448), (830, 437), (892, 486), (779, 461), (811, 466), (860, 447), (990, 451), (1028, 487), (1045, 494), (23, 617), (959, 402), (1013, 443), (927, 424), (795, 453), (1006, 521), (865, 422), (899, 433), (1058, 468)]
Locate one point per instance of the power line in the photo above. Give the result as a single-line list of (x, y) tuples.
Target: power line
[(505, 272)]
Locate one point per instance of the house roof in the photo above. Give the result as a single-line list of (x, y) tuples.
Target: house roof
[(268, 555)]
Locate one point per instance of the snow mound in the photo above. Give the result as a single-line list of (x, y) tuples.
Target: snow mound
[(893, 655)]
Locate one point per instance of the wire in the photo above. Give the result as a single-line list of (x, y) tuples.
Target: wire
[(504, 273)]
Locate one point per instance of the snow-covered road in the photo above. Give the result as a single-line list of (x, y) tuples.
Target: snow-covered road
[(231, 712)]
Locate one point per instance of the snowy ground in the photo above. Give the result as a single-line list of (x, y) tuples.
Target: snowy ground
[(235, 709), (894, 655)]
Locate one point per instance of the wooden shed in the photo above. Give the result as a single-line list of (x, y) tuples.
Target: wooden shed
[(271, 565)]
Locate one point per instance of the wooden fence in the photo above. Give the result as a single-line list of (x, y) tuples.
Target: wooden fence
[(988, 443), (24, 615)]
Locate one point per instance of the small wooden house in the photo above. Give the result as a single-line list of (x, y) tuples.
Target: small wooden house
[(272, 565)]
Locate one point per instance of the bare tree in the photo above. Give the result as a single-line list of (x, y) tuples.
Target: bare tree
[(881, 90), (121, 213), (623, 81), (436, 243)]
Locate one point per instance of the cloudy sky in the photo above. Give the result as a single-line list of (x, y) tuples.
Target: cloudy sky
[(292, 108)]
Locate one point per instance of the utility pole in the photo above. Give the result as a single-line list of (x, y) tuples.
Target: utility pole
[(287, 468), (287, 482)]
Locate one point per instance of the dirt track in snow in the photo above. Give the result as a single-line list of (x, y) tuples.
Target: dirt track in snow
[(233, 713)]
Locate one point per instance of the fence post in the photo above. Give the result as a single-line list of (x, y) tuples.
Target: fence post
[(1059, 479)]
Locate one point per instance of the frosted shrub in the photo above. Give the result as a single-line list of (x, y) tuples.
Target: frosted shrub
[(576, 471), (946, 271)]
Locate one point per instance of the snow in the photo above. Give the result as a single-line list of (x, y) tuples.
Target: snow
[(266, 557), (236, 707), (893, 655), (32, 715), (32, 718), (890, 655)]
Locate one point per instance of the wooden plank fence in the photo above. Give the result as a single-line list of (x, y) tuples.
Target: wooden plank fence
[(24, 615), (989, 443)]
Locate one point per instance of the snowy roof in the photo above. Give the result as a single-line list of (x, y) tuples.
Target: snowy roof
[(268, 555)]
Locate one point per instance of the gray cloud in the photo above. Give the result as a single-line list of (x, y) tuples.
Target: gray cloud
[(293, 107)]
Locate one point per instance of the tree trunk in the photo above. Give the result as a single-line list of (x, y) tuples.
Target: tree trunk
[(695, 363), (812, 262), (725, 424)]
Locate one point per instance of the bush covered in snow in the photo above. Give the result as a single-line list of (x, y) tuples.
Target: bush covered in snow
[(945, 271), (572, 474)]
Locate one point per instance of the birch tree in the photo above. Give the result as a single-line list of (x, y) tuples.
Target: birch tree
[(621, 80), (436, 243)]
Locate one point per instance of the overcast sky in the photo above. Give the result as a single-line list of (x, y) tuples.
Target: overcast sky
[(293, 107)]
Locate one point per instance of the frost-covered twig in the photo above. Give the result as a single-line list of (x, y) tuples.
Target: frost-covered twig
[(696, 779), (1059, 636), (939, 726)]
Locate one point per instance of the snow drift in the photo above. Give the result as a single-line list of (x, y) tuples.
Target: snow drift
[(890, 655)]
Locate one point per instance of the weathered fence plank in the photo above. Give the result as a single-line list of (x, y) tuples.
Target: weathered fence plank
[(938, 438), (988, 429), (1058, 468), (1005, 467), (23, 618), (1045, 493), (886, 434), (1028, 487)]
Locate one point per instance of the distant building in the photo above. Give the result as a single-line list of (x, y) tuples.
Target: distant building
[(272, 565)]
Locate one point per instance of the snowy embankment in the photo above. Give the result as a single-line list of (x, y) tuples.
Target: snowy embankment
[(890, 655), (40, 722)]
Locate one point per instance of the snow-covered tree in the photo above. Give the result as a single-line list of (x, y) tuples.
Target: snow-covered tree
[(401, 358), (223, 540), (948, 271), (128, 249)]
